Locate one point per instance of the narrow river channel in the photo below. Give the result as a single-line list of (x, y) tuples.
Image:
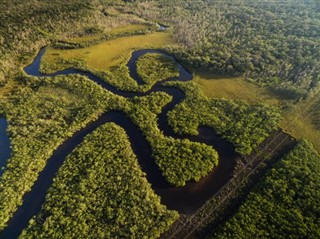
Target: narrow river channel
[(5, 149)]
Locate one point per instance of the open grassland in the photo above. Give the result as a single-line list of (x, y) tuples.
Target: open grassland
[(129, 28), (106, 54), (235, 88), (303, 121)]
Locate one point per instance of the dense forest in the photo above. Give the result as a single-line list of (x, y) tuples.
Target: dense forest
[(271, 42), (42, 114), (179, 159), (101, 192), (27, 26), (244, 125), (285, 204), (155, 67)]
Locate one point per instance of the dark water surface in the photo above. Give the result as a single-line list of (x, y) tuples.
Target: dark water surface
[(185, 199), (5, 149)]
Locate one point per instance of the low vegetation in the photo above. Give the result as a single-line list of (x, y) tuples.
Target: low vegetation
[(302, 121), (285, 204), (246, 126), (110, 64), (237, 88), (101, 192), (103, 56)]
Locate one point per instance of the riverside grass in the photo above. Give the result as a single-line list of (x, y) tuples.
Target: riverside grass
[(107, 54), (301, 120), (235, 88)]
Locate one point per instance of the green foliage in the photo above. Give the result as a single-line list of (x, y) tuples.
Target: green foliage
[(153, 67), (25, 26), (179, 160), (41, 115), (182, 160), (18, 17), (244, 125), (69, 44), (101, 192), (285, 204), (119, 76), (43, 112), (270, 41), (46, 111)]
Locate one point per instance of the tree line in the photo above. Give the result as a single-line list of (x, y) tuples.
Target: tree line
[(285, 204), (244, 125), (273, 43), (101, 192)]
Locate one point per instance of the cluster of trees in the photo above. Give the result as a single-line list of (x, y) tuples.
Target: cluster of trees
[(277, 46), (274, 43), (180, 160), (42, 113), (150, 67), (69, 44), (117, 76), (101, 192), (45, 111), (153, 67), (27, 26), (285, 204), (244, 125)]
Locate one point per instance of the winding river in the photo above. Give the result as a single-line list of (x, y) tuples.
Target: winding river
[(185, 199)]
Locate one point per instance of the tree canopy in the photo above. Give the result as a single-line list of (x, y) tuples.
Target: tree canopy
[(285, 204)]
